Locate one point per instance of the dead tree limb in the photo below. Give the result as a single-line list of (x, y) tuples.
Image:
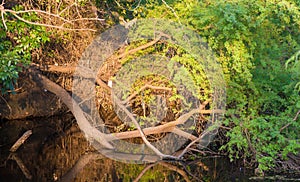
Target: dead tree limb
[(149, 131), (83, 123)]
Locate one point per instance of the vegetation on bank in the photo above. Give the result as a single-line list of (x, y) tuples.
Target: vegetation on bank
[(257, 44)]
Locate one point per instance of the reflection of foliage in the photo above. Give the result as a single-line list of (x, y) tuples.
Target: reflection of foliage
[(17, 43)]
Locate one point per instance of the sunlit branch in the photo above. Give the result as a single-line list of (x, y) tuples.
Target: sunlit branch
[(62, 26)]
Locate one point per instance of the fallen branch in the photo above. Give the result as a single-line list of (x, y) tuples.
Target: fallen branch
[(20, 141), (149, 131), (168, 127), (83, 123)]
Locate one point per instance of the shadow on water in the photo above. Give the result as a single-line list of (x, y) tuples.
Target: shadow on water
[(58, 151)]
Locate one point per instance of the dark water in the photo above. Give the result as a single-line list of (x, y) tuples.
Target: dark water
[(58, 151)]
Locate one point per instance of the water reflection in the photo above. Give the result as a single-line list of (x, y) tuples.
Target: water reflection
[(58, 151)]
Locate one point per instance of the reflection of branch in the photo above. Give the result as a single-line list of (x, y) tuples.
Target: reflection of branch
[(80, 164), (143, 172), (122, 156), (22, 166), (167, 165), (176, 169)]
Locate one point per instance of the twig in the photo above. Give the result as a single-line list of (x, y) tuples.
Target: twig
[(68, 7), (15, 14), (192, 143), (48, 25), (20, 141), (37, 11), (132, 51), (143, 172), (172, 11), (295, 118)]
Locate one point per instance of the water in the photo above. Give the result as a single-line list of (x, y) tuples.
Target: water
[(58, 151)]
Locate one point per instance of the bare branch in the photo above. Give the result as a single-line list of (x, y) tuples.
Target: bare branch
[(174, 12), (150, 131), (47, 25), (2, 14), (62, 26)]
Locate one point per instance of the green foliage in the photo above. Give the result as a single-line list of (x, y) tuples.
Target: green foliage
[(252, 40), (269, 138), (16, 45)]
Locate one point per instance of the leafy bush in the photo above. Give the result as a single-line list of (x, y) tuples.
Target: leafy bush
[(252, 40), (16, 45)]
